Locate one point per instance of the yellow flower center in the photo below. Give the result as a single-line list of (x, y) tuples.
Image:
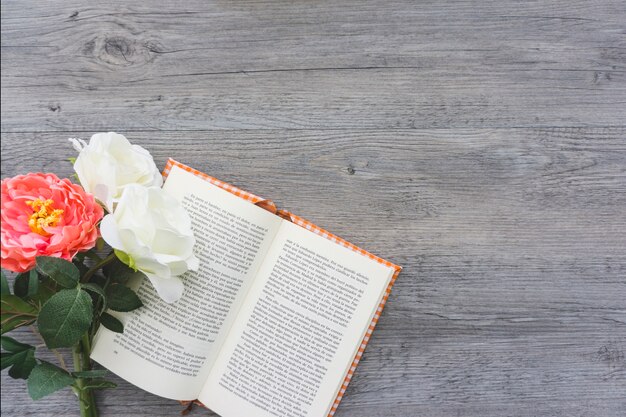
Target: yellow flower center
[(44, 215)]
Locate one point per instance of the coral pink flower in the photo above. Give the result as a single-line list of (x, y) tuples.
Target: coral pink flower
[(45, 215)]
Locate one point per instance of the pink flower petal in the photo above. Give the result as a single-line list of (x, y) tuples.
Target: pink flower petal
[(75, 231)]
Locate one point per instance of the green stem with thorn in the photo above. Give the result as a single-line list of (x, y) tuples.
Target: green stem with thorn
[(82, 362)]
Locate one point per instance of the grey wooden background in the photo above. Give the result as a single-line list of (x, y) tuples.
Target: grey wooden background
[(480, 144)]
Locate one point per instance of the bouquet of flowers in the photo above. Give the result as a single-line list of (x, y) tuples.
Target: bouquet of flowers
[(55, 235)]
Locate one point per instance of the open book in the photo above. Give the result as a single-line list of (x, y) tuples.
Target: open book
[(272, 324)]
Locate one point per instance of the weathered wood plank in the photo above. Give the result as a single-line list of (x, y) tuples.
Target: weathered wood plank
[(512, 297), (481, 145), (349, 65)]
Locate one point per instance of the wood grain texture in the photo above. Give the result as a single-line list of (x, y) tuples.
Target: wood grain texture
[(346, 65), (481, 145)]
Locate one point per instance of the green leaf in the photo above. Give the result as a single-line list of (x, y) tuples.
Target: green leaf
[(122, 298), (33, 283), (21, 363), (24, 364), (26, 284), (65, 317), (47, 288), (95, 288), (94, 373), (6, 360), (5, 284), (11, 345), (20, 285), (119, 272), (78, 263), (47, 378), (62, 271), (98, 384), (111, 323), (16, 312), (20, 356)]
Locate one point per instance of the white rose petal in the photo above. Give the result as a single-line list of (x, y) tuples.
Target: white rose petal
[(78, 144), (109, 163), (154, 231)]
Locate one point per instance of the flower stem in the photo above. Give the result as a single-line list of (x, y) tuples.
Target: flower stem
[(97, 266), (82, 362)]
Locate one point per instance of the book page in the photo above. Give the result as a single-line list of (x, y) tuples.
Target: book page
[(298, 330), (168, 349)]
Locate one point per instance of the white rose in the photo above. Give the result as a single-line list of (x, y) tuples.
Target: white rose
[(151, 232), (109, 163)]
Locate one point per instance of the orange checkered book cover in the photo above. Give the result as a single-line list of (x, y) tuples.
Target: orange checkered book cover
[(270, 206)]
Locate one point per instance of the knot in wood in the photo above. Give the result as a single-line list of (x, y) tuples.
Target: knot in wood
[(122, 51), (119, 48)]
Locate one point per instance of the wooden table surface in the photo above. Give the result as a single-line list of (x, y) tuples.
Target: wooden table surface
[(479, 144)]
